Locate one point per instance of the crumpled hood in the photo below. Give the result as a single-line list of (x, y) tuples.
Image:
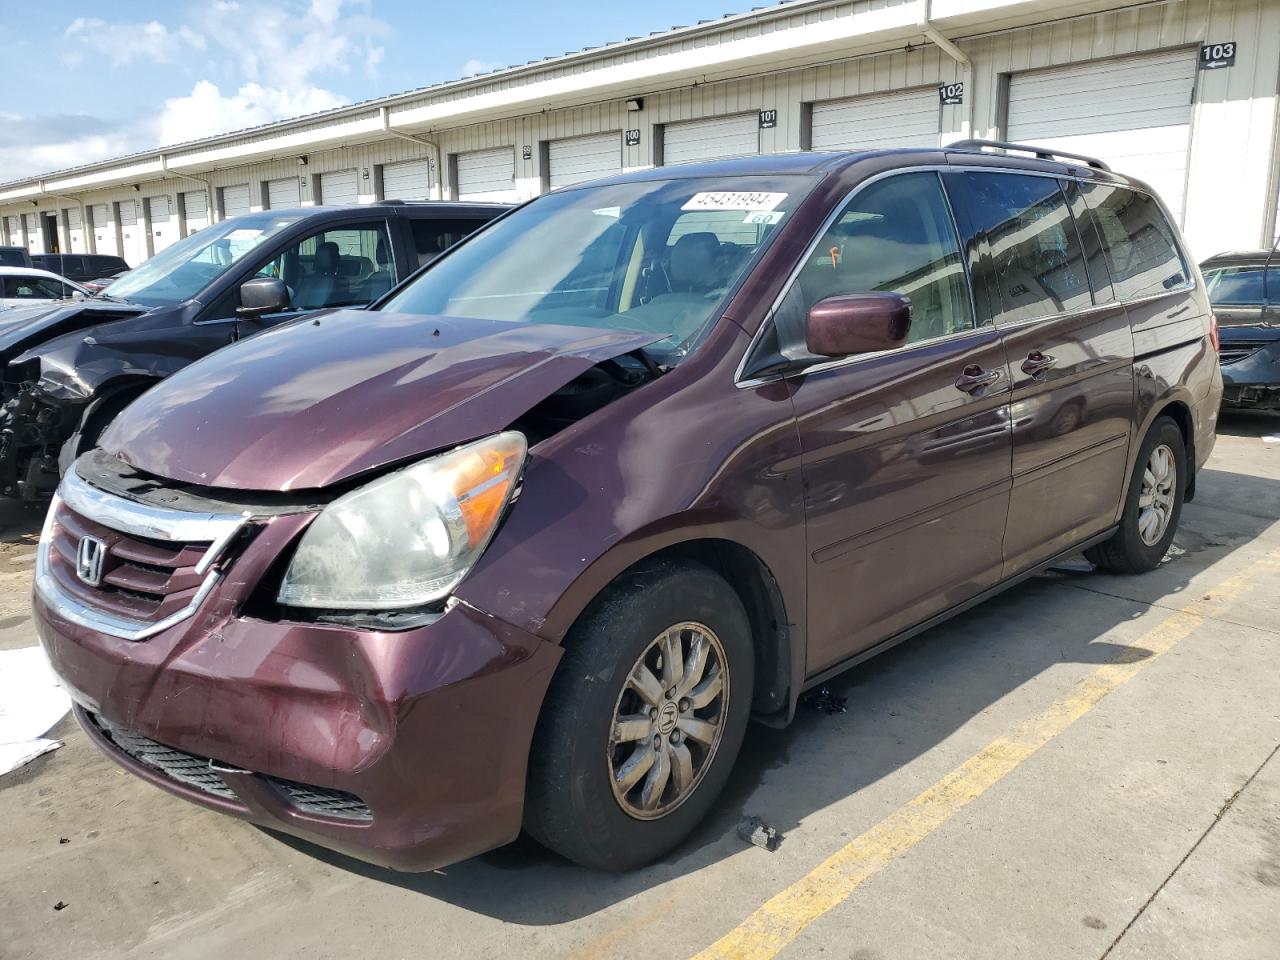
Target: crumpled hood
[(22, 326), (315, 402)]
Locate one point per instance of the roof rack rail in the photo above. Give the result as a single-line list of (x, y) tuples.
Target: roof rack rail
[(1043, 153)]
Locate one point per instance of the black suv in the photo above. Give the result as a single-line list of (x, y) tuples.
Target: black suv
[(80, 266), (70, 368), (1244, 289)]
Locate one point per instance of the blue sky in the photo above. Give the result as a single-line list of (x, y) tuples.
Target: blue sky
[(88, 80)]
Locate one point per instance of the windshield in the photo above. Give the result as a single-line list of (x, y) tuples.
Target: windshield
[(655, 256), (181, 271), (1241, 286)]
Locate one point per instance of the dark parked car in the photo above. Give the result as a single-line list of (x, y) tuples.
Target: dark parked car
[(15, 257), (80, 267), (1244, 289), (529, 543), (68, 370)]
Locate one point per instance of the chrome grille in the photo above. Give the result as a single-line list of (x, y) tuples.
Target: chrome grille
[(145, 568)]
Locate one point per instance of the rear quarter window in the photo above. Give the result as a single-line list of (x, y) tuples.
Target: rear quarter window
[(1138, 243)]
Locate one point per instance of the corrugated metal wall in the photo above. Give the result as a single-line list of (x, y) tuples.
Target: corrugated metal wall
[(1232, 176)]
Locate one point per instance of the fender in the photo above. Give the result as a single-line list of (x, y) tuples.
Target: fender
[(563, 545), (112, 396)]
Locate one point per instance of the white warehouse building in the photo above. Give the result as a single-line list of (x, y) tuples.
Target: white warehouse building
[(1182, 93)]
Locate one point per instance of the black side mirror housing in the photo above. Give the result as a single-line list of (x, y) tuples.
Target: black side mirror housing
[(262, 295)]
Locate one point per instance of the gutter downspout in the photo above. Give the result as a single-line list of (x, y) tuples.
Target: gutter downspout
[(209, 203), (928, 28), (78, 202), (437, 189)]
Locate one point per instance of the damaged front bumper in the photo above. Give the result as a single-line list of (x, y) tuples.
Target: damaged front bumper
[(405, 748), (34, 428)]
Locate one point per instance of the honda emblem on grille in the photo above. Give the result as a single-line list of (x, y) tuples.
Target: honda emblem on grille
[(89, 557)]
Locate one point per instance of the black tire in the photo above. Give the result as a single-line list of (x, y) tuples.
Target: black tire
[(570, 805), (1125, 551)]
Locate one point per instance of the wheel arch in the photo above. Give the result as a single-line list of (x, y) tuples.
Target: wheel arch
[(773, 633), (108, 400)]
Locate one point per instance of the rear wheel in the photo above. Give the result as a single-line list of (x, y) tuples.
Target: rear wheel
[(1152, 507), (643, 720)]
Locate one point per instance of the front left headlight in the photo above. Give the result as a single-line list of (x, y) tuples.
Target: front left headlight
[(409, 537)]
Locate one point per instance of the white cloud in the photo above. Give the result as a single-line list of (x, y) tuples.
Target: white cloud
[(474, 66), (208, 110), (256, 61), (121, 44)]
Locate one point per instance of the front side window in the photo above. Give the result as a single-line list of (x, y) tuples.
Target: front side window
[(344, 266), (894, 236), (656, 256), (181, 271), (1242, 286), (35, 288), (1033, 264), (1138, 241)]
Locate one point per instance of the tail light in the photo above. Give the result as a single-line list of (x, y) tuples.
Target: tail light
[(1213, 334)]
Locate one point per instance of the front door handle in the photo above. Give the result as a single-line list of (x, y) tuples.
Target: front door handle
[(973, 378), (1037, 363)]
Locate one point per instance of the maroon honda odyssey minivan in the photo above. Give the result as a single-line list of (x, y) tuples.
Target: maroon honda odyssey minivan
[(529, 543)]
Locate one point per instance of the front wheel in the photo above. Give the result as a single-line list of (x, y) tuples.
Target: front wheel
[(1152, 506), (643, 720)]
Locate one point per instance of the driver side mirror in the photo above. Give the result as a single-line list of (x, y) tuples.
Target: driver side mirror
[(855, 323), (262, 295)]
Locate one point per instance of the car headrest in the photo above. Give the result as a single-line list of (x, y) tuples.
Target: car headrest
[(327, 257), (693, 262)]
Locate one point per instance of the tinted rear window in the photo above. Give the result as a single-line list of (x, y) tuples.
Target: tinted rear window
[(1138, 242), (1035, 265), (433, 237), (1241, 285), (13, 258)]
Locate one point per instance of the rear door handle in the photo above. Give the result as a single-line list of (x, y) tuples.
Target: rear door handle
[(973, 378), (1037, 363)]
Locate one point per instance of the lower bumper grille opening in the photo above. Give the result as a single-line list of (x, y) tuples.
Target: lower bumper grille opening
[(196, 771), (322, 801), (187, 768)]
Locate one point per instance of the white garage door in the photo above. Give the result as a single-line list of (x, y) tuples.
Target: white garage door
[(584, 158), (13, 231), (76, 229), (1134, 113), (33, 233), (908, 119), (235, 201), (337, 187), (487, 175), (195, 211), (711, 139), (409, 180), (283, 193), (104, 235), (163, 231), (134, 249)]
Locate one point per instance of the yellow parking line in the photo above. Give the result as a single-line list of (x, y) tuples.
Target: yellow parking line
[(785, 916)]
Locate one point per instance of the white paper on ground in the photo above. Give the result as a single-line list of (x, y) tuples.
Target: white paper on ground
[(31, 702), (1271, 438)]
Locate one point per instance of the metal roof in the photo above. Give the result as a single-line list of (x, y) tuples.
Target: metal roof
[(444, 86)]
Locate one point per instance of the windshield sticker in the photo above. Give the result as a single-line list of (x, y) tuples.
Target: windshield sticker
[(734, 201), (766, 217), (243, 233)]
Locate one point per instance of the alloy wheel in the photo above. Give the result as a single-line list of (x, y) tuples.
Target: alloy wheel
[(1155, 502), (668, 721)]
